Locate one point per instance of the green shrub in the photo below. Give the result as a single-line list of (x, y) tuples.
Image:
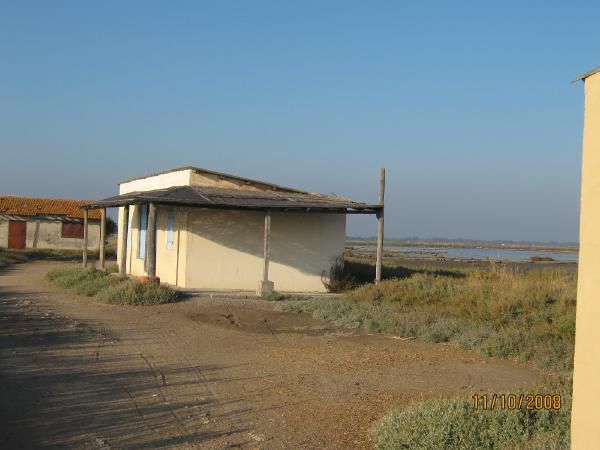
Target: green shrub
[(525, 317), (275, 296), (82, 282), (455, 424), (109, 288), (135, 293)]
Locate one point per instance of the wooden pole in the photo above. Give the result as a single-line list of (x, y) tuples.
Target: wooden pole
[(380, 226), (151, 241), (266, 245), (101, 251), (123, 231), (85, 238)]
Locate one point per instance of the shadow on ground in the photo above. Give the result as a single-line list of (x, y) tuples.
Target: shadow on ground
[(66, 384)]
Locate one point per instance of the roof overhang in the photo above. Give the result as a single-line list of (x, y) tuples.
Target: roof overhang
[(234, 199), (586, 75)]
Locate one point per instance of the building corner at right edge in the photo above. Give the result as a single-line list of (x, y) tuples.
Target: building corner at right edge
[(585, 416)]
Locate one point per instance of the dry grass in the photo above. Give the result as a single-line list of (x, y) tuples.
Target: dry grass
[(10, 256), (527, 317), (110, 289), (453, 425)]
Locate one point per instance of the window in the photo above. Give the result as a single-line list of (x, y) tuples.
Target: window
[(143, 221), (170, 228), (72, 230)]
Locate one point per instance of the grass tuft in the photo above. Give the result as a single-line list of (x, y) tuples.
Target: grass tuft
[(134, 293), (111, 289), (455, 425)]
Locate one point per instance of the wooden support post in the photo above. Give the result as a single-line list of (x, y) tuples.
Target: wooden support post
[(123, 232), (380, 227), (266, 246), (151, 241), (265, 287), (85, 238), (101, 251)]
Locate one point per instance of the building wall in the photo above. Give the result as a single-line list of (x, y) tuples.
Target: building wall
[(165, 180), (135, 265), (49, 235), (167, 259), (170, 263), (188, 177), (3, 233), (585, 416), (212, 180), (225, 249)]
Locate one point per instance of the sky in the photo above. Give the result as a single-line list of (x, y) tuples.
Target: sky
[(467, 104)]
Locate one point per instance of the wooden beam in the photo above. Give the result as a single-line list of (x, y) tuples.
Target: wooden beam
[(151, 241), (380, 227), (85, 238), (266, 245), (101, 249), (123, 232)]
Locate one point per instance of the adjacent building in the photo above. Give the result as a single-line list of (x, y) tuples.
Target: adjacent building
[(45, 223), (585, 417)]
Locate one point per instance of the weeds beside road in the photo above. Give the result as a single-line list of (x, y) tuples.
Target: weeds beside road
[(9, 257), (111, 288), (527, 317)]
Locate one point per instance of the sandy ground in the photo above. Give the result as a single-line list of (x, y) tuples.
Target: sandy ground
[(214, 374)]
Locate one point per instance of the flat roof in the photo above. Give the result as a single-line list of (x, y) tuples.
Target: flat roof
[(219, 198), (219, 174)]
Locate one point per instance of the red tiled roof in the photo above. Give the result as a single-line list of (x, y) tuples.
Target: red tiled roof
[(24, 206)]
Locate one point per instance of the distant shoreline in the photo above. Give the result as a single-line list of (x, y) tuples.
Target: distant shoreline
[(482, 245)]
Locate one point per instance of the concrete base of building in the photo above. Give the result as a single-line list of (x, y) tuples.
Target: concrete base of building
[(265, 288)]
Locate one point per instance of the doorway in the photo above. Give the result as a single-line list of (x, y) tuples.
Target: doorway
[(17, 234)]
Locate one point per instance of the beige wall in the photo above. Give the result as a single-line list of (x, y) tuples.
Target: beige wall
[(168, 259), (585, 419), (211, 180), (3, 233), (170, 263), (50, 236), (225, 249), (135, 265)]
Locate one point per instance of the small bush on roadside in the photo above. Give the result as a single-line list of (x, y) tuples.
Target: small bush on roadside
[(348, 274), (109, 288), (275, 296), (82, 282), (454, 424), (135, 293)]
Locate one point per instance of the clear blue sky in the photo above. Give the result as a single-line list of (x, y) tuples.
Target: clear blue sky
[(468, 105)]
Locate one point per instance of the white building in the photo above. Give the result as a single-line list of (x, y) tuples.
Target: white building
[(219, 231)]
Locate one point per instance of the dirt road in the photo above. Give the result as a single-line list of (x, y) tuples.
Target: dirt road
[(222, 373)]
